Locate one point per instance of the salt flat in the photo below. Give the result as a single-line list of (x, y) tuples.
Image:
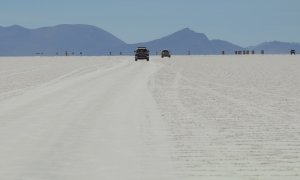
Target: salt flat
[(188, 117)]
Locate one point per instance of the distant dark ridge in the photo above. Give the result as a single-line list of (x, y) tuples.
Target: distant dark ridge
[(277, 47), (90, 40), (16, 40)]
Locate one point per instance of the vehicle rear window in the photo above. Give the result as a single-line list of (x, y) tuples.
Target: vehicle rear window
[(142, 50)]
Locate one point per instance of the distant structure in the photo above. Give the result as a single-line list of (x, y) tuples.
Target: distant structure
[(66, 53), (293, 52), (80, 53), (244, 52), (189, 52), (223, 52), (121, 53), (262, 52), (39, 53), (110, 53)]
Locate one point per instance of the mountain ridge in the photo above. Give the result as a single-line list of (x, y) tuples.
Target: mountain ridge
[(16, 40)]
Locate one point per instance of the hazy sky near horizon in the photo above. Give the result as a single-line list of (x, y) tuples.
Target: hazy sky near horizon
[(243, 22)]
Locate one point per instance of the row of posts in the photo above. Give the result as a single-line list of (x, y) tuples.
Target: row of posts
[(57, 54), (67, 53), (247, 52), (244, 52)]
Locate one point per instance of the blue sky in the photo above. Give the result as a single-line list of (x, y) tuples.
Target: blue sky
[(244, 22)]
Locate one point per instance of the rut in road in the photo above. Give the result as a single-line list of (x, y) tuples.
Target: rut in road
[(100, 125)]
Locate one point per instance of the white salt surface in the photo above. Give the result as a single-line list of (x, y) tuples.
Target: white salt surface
[(188, 117)]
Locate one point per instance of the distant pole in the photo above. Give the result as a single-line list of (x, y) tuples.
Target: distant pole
[(66, 53), (262, 52), (223, 52)]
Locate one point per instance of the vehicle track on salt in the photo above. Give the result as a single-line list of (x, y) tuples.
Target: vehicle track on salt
[(100, 125), (187, 117)]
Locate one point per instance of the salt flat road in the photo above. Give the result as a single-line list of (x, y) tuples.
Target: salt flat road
[(232, 117), (103, 124), (185, 118)]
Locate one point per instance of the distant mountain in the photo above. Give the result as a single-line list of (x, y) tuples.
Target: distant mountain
[(181, 42), (16, 40), (276, 47), (19, 41), (186, 41)]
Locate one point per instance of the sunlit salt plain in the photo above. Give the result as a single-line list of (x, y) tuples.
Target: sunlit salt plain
[(187, 117)]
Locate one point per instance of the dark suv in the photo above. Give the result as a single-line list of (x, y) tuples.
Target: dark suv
[(293, 51), (165, 53), (141, 53)]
